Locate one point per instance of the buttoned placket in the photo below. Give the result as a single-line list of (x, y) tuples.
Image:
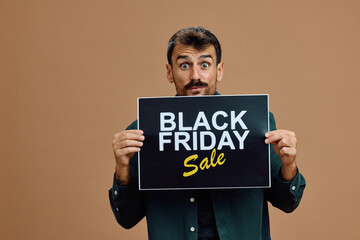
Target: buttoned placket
[(191, 200)]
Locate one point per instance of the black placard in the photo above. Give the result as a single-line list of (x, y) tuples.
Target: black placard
[(204, 142)]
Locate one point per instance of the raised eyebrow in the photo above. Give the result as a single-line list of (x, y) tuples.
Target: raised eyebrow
[(206, 56), (182, 57), (187, 57)]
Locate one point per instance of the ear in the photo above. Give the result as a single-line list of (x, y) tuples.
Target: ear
[(220, 71), (169, 73)]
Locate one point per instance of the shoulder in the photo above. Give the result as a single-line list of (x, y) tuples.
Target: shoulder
[(133, 125), (272, 121)]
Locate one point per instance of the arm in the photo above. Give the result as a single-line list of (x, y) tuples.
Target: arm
[(126, 201), (287, 182)]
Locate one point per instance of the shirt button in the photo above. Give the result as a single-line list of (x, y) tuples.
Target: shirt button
[(192, 229), (115, 192), (293, 188), (192, 199)]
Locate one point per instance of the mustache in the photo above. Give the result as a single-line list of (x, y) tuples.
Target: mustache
[(198, 83)]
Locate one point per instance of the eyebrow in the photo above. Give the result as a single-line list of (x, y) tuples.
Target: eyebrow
[(206, 56), (187, 57)]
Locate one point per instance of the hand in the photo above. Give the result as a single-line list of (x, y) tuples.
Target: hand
[(284, 144), (125, 145)]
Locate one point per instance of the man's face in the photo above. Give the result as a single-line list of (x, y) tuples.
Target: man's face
[(194, 72)]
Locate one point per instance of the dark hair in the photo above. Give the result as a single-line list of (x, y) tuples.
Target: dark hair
[(197, 37)]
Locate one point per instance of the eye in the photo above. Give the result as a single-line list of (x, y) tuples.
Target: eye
[(205, 65), (184, 66)]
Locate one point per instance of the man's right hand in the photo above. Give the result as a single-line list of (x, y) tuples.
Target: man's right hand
[(125, 145)]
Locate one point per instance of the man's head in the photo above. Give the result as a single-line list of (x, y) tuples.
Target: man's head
[(194, 62)]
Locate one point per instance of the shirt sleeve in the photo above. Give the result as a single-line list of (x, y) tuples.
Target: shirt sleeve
[(285, 195), (127, 202)]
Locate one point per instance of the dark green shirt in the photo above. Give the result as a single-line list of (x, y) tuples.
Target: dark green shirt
[(172, 214)]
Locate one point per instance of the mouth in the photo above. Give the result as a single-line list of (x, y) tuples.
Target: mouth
[(196, 89)]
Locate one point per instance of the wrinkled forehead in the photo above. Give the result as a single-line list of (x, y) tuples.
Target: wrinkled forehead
[(182, 51)]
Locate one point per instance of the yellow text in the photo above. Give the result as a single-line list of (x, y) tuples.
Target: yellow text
[(204, 164)]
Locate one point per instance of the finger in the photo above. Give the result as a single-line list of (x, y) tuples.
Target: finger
[(280, 131), (126, 151), (128, 143), (286, 142), (288, 151), (129, 131), (129, 135), (275, 136)]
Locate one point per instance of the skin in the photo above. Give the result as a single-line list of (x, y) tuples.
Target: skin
[(125, 145), (190, 66), (284, 144)]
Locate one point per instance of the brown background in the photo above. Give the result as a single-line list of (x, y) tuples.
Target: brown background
[(71, 72)]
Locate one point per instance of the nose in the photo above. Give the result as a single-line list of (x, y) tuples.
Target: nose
[(194, 75)]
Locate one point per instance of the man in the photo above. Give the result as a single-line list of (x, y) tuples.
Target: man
[(195, 67)]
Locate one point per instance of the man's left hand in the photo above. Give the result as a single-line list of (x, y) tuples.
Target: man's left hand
[(284, 144)]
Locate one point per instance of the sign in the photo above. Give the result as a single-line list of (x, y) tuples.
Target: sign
[(197, 142)]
